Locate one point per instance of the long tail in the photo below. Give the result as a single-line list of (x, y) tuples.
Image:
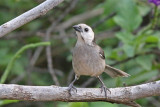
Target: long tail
[(113, 72)]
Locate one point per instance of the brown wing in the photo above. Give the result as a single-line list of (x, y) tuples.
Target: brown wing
[(101, 52)]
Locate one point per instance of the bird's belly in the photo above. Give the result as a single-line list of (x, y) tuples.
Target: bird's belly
[(88, 65)]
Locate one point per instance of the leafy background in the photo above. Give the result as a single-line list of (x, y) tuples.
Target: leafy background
[(131, 45)]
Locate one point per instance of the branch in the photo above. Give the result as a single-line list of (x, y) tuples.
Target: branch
[(80, 18), (28, 16), (123, 95), (135, 56), (103, 20), (50, 65), (48, 37)]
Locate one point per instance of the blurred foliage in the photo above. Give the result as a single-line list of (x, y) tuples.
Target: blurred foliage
[(135, 40), (17, 55)]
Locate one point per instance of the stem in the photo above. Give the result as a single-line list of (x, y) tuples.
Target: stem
[(17, 55), (153, 24), (155, 17), (145, 29)]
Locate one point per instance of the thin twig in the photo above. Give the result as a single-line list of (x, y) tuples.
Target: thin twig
[(18, 78), (19, 35), (32, 61), (47, 38), (103, 19), (36, 55), (135, 56), (28, 69), (88, 82), (79, 18), (70, 77), (50, 65), (43, 70), (154, 101), (154, 78)]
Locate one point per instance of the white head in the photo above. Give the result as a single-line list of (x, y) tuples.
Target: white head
[(84, 33)]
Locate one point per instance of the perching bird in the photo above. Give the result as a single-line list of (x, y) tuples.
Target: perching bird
[(88, 58)]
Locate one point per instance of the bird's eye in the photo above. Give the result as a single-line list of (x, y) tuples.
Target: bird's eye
[(86, 29)]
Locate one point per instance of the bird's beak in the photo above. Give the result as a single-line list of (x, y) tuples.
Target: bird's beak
[(77, 28)]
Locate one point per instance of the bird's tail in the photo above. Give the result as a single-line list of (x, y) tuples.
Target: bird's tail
[(113, 72)]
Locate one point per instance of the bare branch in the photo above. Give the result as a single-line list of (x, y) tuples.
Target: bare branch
[(135, 56), (47, 38), (18, 78), (88, 82), (123, 95), (50, 65), (102, 20), (44, 70), (79, 18), (155, 102), (70, 77), (19, 35), (28, 16)]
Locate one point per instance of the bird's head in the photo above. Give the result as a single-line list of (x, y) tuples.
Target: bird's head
[(85, 33)]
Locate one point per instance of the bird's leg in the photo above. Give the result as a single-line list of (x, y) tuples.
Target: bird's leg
[(71, 87), (103, 87)]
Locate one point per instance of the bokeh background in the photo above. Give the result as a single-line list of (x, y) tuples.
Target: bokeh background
[(127, 30)]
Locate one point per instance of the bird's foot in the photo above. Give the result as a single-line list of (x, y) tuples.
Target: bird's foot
[(104, 88), (71, 88)]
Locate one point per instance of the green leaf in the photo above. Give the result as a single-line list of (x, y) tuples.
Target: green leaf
[(145, 61), (129, 50), (128, 16), (102, 104), (143, 9), (62, 104), (115, 54), (125, 37), (152, 39), (142, 76), (78, 104), (4, 102), (109, 6)]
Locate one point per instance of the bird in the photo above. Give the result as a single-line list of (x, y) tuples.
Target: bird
[(88, 59)]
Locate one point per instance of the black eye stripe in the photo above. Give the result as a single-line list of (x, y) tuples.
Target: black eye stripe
[(86, 29)]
